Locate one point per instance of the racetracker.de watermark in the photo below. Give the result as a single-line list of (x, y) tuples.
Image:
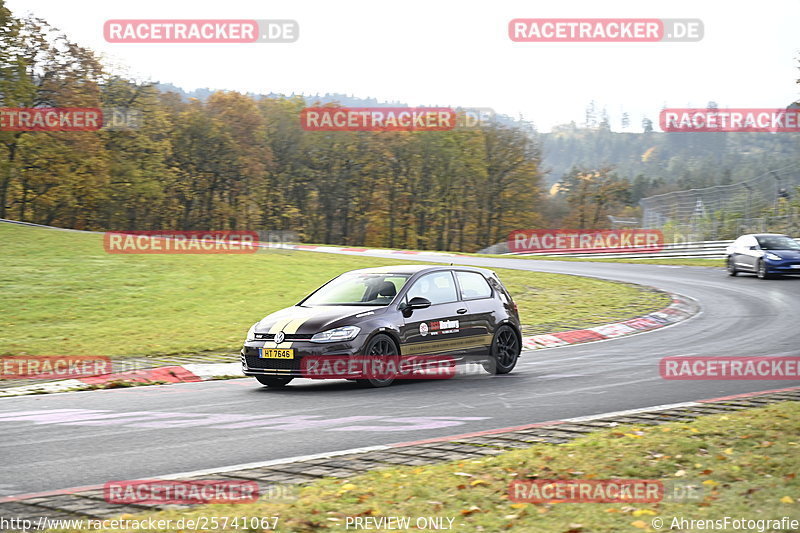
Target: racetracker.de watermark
[(586, 490), (68, 118), (585, 241), (753, 120), (394, 118), (588, 30), (729, 368), (155, 492), (181, 242), (53, 366), (194, 31), (377, 367)]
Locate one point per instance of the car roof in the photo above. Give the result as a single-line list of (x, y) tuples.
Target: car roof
[(413, 269), (765, 235)]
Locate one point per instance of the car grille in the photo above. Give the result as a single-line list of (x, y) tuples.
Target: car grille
[(288, 337), (253, 361)]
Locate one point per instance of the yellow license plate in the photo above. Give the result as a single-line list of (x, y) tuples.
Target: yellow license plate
[(276, 353)]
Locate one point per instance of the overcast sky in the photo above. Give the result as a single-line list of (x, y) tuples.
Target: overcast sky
[(442, 52)]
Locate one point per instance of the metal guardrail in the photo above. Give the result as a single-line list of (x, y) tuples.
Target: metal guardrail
[(699, 249), (20, 223), (679, 249)]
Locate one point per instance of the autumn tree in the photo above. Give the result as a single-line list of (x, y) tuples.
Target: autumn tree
[(233, 161), (49, 176), (592, 195)]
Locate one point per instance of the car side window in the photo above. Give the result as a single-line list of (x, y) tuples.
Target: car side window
[(437, 287), (473, 285)]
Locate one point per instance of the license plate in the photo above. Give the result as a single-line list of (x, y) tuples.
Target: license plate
[(795, 266), (276, 353)]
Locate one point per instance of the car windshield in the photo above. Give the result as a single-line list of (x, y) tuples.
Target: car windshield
[(779, 242), (358, 289)]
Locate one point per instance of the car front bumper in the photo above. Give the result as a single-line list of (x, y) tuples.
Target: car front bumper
[(253, 365), (782, 267)]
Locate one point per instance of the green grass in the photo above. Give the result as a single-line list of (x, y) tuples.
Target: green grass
[(744, 464), (556, 302), (62, 294)]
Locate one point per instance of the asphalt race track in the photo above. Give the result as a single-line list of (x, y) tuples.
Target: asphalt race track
[(88, 438)]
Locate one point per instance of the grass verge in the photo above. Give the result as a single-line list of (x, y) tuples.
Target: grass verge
[(745, 463), (67, 296), (556, 302)]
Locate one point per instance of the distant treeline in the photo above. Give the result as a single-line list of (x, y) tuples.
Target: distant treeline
[(236, 161), (662, 162)]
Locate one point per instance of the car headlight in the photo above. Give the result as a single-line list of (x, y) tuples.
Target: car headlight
[(338, 334), (251, 333), (774, 257)]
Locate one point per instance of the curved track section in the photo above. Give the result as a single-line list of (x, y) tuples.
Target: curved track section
[(77, 439)]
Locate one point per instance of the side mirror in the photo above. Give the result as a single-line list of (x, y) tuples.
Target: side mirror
[(418, 302)]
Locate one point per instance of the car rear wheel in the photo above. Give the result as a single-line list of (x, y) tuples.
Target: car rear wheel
[(274, 381), (505, 351), (732, 267), (761, 270), (380, 346)]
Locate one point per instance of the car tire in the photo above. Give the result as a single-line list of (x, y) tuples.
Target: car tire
[(761, 270), (731, 265), (505, 351), (379, 345), (274, 381)]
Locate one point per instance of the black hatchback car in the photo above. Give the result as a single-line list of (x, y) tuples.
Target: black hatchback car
[(419, 311)]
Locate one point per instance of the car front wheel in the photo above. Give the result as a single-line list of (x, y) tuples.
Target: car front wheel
[(380, 346), (761, 270), (732, 267), (505, 351)]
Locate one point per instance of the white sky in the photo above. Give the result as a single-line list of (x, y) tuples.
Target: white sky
[(449, 52)]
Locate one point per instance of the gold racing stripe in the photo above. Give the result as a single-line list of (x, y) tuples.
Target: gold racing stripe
[(425, 347), (276, 327), (289, 327), (295, 324)]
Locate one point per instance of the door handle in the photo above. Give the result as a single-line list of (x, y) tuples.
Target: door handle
[(461, 311)]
